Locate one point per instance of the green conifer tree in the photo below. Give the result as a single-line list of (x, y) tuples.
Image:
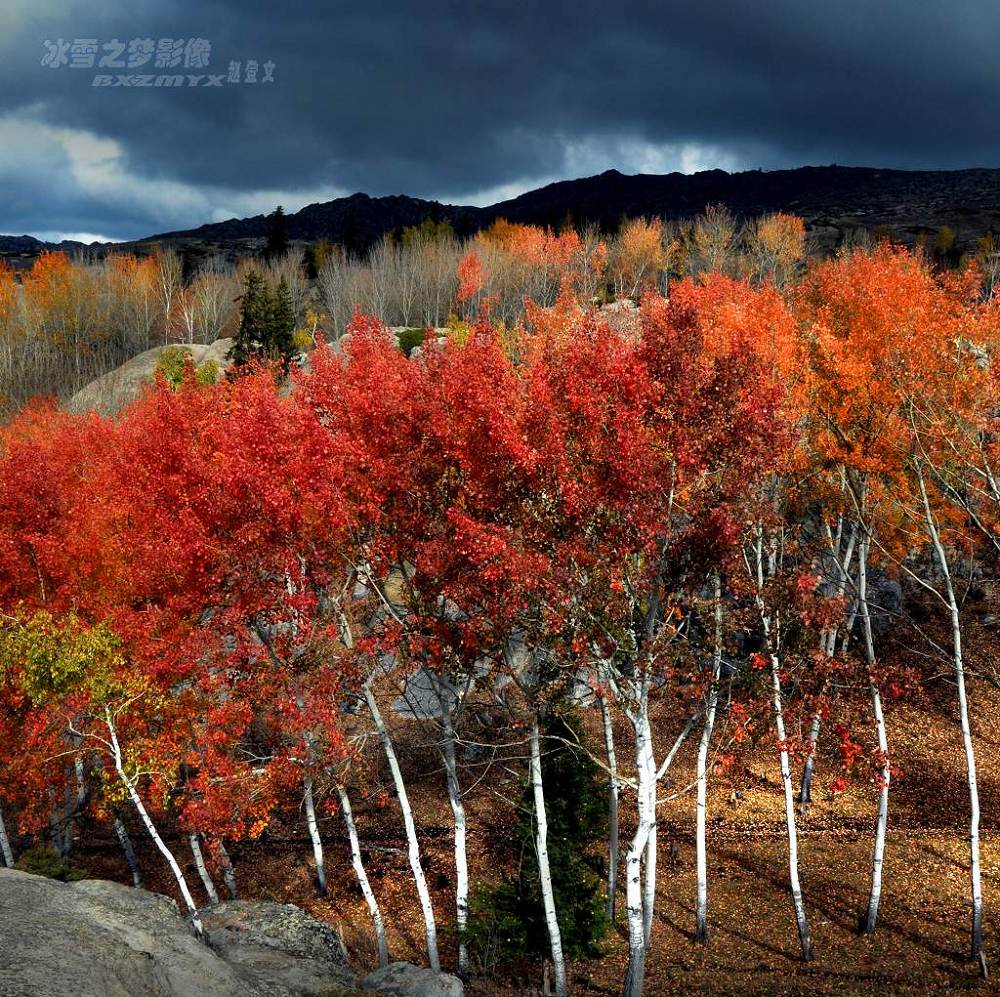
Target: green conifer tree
[(281, 326), (255, 319), (277, 235)]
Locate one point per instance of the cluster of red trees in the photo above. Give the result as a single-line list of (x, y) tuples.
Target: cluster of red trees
[(202, 596)]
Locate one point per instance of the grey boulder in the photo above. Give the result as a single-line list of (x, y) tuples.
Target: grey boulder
[(101, 939), (402, 979), (279, 947)]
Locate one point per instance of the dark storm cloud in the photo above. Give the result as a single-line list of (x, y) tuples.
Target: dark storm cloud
[(459, 100)]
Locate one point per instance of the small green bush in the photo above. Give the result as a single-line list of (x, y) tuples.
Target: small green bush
[(171, 364), (207, 373), (173, 361), (410, 339), (41, 860)]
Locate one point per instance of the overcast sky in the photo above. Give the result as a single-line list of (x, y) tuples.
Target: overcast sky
[(467, 102)]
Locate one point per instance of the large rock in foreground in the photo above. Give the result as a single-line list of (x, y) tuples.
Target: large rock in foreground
[(100, 939)]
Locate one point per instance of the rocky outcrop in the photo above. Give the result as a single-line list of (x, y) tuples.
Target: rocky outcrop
[(100, 939), (111, 392), (279, 946)]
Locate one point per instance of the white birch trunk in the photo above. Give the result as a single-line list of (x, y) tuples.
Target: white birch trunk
[(636, 970), (793, 843), (199, 864), (461, 858), (228, 872), (129, 852), (609, 746), (828, 646), (805, 793), (975, 880), (151, 828), (773, 646), (5, 849), (882, 818), (701, 804), (314, 836), (649, 873), (544, 874), (363, 881), (413, 845)]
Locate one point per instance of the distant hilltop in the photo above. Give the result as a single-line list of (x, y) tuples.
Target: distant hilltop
[(834, 201)]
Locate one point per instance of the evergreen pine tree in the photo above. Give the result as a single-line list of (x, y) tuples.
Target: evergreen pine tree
[(255, 318), (509, 919), (277, 235), (281, 326)]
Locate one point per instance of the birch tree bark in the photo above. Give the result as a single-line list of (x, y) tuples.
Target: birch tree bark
[(773, 645), (793, 842), (544, 873), (649, 873), (151, 827), (199, 864), (121, 832), (413, 845), (314, 836), (975, 879), (636, 969), (5, 850), (613, 791), (363, 881), (882, 819), (458, 811), (701, 804), (228, 872)]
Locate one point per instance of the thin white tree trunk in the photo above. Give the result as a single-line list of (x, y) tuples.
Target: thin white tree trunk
[(773, 645), (413, 845), (228, 872), (314, 836), (805, 793), (126, 842), (609, 746), (793, 842), (199, 864), (649, 873), (636, 969), (458, 810), (151, 828), (544, 873), (975, 881), (359, 871), (701, 804), (882, 819), (5, 849), (828, 646)]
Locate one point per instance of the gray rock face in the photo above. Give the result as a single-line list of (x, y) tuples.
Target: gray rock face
[(280, 947), (423, 696), (116, 389), (405, 980), (100, 939), (97, 939)]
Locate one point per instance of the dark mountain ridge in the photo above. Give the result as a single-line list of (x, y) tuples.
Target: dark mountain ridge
[(832, 200)]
